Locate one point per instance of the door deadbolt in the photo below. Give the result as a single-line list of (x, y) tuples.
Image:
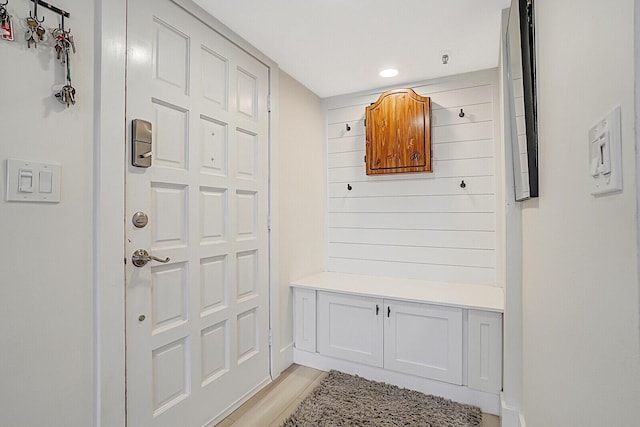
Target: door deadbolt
[(141, 257), (141, 143), (140, 219)]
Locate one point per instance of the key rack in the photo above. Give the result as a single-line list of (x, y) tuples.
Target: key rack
[(64, 44), (36, 33), (52, 8)]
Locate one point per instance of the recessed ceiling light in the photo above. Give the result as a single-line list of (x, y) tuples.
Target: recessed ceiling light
[(389, 72)]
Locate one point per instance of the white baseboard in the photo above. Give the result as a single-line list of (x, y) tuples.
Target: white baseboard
[(488, 402), (510, 416)]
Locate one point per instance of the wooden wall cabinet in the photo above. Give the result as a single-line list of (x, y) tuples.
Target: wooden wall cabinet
[(398, 129)]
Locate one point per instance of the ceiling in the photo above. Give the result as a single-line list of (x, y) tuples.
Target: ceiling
[(335, 47)]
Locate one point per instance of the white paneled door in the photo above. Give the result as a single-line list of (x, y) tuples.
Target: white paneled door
[(197, 325)]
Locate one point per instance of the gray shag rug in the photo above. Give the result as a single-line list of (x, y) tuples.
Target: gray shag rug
[(348, 400)]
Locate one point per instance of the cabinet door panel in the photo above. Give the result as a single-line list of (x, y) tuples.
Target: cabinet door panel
[(304, 323), (485, 351), (350, 327), (424, 340), (383, 138), (411, 136)]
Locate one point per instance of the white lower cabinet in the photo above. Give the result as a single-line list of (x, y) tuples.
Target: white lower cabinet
[(416, 338), (350, 328), (424, 340)]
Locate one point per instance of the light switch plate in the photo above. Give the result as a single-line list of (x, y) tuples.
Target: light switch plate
[(29, 181), (605, 154)]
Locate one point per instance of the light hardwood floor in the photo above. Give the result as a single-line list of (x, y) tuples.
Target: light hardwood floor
[(274, 403)]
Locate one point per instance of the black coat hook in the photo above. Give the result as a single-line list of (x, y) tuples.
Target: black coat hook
[(463, 184), (461, 113), (349, 187), (348, 127), (35, 12)]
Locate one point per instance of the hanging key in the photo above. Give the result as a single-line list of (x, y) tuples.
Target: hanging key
[(69, 39), (58, 36), (62, 51), (4, 15), (71, 95), (41, 33), (61, 96), (67, 95), (31, 23), (59, 51), (6, 27), (32, 35)]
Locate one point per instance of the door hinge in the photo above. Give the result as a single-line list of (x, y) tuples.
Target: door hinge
[(269, 223), (270, 337), (269, 103), (365, 122)]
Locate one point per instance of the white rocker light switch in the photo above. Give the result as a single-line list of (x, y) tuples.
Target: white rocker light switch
[(25, 181)]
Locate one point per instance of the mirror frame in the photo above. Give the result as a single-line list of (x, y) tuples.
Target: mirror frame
[(520, 60)]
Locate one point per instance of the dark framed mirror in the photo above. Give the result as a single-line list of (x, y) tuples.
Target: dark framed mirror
[(521, 83)]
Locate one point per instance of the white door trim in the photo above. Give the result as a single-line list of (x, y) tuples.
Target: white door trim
[(109, 162), (108, 214), (636, 30)]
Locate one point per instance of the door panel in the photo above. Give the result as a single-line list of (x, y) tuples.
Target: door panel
[(424, 339), (382, 123), (412, 152), (350, 327), (197, 326), (485, 351)]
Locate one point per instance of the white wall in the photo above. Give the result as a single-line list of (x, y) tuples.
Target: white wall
[(580, 306), (300, 195), (46, 250), (420, 225)]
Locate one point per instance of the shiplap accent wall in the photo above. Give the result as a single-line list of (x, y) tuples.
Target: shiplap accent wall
[(418, 225)]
